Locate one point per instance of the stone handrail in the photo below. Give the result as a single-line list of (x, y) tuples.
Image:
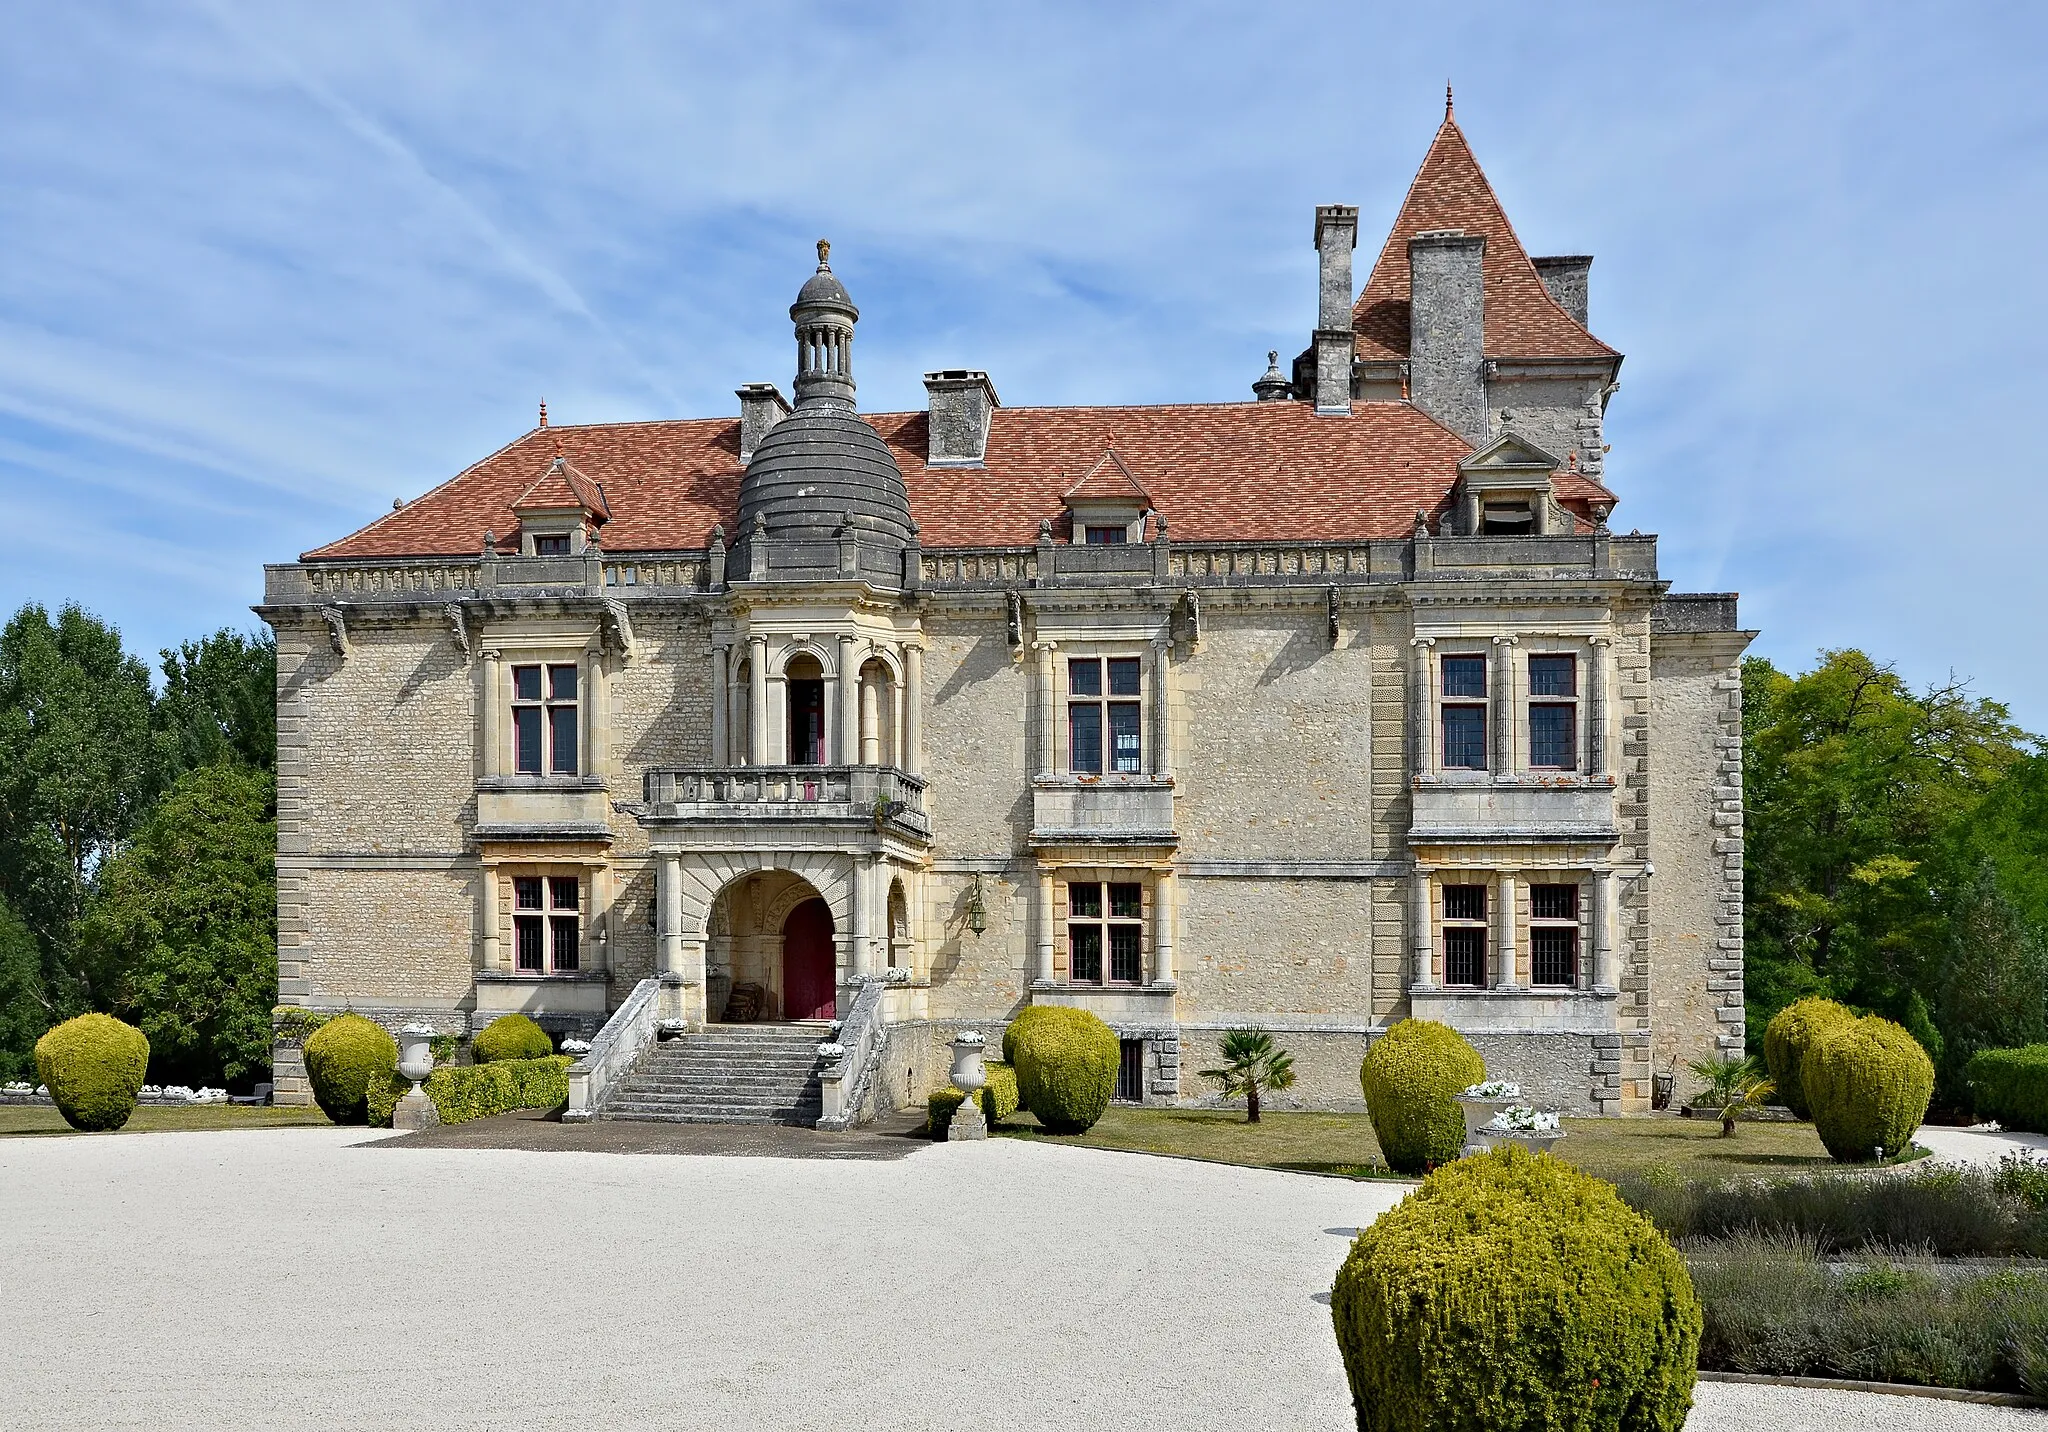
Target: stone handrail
[(847, 1081), (617, 1048), (784, 785)]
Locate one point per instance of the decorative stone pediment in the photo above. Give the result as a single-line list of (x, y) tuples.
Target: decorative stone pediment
[(1511, 454)]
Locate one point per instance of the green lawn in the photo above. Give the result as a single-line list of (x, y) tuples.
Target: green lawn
[(1344, 1143), (28, 1119)]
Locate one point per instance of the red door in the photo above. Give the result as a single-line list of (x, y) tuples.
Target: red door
[(807, 973)]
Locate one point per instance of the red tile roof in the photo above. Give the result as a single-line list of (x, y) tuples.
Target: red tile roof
[(561, 489), (1220, 472), (1522, 319), (1108, 481)]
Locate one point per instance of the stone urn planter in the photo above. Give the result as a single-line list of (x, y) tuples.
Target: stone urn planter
[(1481, 1103), (1534, 1129), (415, 1062), (969, 1075)]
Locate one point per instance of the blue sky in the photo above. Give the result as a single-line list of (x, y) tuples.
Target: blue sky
[(268, 267)]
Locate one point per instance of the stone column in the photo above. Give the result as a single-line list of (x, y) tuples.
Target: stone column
[(1042, 956), (757, 701), (1421, 706), (1505, 975), (1048, 705), (1162, 718), (870, 724), (913, 709), (596, 729), (857, 954), (1422, 938), (668, 901), (493, 714), (1506, 726), (1164, 972), (487, 915), (721, 706), (1605, 976), (1597, 763), (848, 753)]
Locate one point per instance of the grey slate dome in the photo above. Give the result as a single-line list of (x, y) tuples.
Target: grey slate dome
[(822, 497)]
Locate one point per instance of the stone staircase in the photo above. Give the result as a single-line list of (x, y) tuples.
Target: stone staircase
[(728, 1074)]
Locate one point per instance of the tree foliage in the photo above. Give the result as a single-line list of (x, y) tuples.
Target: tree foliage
[(185, 926), (220, 702)]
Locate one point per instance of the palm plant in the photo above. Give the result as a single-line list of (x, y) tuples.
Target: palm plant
[(1733, 1087), (1252, 1064)]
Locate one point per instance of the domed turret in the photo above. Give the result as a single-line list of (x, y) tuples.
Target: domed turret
[(822, 497)]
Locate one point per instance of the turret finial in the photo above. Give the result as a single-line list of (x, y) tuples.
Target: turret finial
[(825, 254), (1449, 112), (543, 412)]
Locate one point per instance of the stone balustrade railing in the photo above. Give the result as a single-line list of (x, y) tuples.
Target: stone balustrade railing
[(879, 793), (633, 1026), (847, 1081)]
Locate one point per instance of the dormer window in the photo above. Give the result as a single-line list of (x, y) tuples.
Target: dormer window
[(1098, 535), (1107, 507), (551, 544), (1507, 519)]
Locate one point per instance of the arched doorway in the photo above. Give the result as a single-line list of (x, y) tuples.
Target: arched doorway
[(809, 984)]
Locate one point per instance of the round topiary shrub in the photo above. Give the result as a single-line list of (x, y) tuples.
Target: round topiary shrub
[(1868, 1081), (1791, 1032), (1411, 1077), (511, 1036), (93, 1067), (1019, 1025), (1513, 1291), (342, 1057), (1066, 1061)]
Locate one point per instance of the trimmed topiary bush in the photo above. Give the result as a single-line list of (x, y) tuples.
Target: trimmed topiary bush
[(1017, 1026), (1066, 1062), (477, 1091), (93, 1067), (343, 1057), (1513, 1291), (998, 1101), (511, 1036), (1787, 1038), (1411, 1077), (1868, 1082), (2011, 1086)]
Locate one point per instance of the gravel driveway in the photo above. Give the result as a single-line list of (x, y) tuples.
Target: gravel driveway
[(287, 1279)]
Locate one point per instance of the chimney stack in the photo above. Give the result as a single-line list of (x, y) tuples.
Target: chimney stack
[(1565, 276), (762, 406), (960, 402), (1447, 330), (1336, 237)]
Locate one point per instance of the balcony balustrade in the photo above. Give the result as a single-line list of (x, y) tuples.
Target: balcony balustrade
[(1522, 808), (1131, 810), (880, 794)]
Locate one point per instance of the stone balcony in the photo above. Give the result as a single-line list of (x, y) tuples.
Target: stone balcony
[(879, 796), (543, 808), (1102, 810), (1458, 809)]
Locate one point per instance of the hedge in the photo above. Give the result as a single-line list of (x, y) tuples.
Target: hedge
[(477, 1091), (1411, 1077), (1066, 1062), (1512, 1291), (2011, 1086), (1869, 1082), (1788, 1037), (93, 1067), (1017, 1027), (343, 1058), (998, 1101), (511, 1036)]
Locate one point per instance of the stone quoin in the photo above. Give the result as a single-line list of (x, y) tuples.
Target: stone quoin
[(769, 753)]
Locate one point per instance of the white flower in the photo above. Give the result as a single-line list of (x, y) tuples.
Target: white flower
[(674, 1026), (1493, 1089), (575, 1046), (1521, 1119), (831, 1051), (17, 1087), (970, 1038), (417, 1030)]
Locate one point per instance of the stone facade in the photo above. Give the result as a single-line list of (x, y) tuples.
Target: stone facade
[(1449, 749)]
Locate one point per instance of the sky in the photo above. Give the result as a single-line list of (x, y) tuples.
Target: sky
[(265, 268)]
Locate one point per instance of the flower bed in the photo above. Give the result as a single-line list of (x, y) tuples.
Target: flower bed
[(172, 1095)]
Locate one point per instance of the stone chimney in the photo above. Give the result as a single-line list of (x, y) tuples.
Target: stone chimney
[(1565, 276), (1336, 237), (961, 401), (1447, 330), (762, 406)]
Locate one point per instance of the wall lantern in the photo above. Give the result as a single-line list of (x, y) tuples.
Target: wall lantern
[(977, 912)]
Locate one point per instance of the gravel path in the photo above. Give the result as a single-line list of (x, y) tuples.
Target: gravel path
[(1977, 1146), (254, 1279)]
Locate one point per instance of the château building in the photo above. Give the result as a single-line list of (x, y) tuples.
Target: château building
[(1314, 712)]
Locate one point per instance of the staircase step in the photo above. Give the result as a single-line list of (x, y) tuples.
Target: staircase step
[(738, 1074)]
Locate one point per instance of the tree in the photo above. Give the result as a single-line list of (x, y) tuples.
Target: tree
[(23, 1011), (187, 917), (1854, 781), (220, 701), (78, 767), (1252, 1064), (1733, 1087)]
